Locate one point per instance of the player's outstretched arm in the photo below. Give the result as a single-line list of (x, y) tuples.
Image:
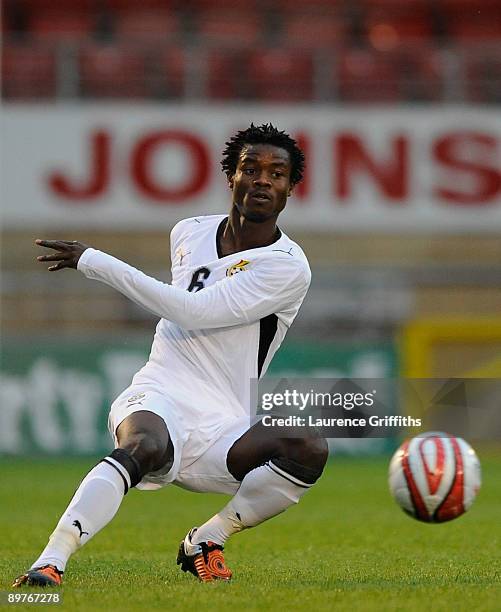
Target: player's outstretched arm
[(242, 298), (67, 253)]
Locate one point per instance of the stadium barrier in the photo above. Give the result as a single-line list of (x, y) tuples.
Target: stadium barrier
[(55, 396)]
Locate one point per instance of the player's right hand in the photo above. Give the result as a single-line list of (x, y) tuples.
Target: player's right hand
[(67, 253)]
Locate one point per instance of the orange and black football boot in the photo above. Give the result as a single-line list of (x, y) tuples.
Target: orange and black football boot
[(47, 575), (204, 560)]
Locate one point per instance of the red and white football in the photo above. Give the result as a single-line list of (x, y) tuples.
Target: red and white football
[(435, 477)]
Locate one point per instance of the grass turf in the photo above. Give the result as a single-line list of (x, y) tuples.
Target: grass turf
[(346, 546)]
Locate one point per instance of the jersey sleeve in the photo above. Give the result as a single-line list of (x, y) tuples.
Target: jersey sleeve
[(267, 288)]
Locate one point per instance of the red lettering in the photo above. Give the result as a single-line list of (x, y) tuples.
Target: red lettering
[(488, 180), (141, 166), (302, 189), (99, 177), (391, 175)]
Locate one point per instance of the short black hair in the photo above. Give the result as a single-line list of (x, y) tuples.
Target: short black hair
[(263, 134)]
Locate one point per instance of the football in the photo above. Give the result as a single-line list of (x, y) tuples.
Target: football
[(435, 477)]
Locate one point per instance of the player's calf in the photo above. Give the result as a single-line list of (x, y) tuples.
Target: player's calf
[(144, 447), (290, 469), (93, 505), (281, 482)]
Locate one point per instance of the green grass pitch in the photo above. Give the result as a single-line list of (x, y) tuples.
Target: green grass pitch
[(346, 546)]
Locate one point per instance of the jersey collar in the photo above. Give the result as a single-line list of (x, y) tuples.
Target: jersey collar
[(222, 226)]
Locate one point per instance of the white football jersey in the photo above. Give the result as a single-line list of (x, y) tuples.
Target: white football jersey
[(223, 318)]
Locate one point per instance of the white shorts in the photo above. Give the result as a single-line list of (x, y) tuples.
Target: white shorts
[(199, 451)]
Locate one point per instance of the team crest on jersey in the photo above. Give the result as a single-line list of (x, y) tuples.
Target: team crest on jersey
[(238, 267)]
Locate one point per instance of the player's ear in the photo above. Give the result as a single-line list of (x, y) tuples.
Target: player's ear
[(230, 183)]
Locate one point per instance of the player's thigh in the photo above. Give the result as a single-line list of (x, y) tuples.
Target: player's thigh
[(209, 473), (142, 409)]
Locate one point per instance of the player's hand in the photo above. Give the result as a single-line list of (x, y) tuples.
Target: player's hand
[(67, 253)]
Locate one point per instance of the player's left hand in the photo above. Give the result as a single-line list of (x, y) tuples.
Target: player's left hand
[(67, 255)]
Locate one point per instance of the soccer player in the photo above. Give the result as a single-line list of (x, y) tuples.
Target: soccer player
[(237, 285)]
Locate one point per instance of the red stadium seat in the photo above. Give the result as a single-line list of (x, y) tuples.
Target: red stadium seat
[(421, 71), (112, 71), (45, 6), (314, 31), (28, 73), (172, 69), (319, 6), (413, 74), (280, 75), (230, 27), (483, 76), (55, 25), (221, 5), (396, 5), (479, 29), (458, 6), (388, 28), (124, 6), (366, 77), (225, 77), (147, 25), (472, 21)]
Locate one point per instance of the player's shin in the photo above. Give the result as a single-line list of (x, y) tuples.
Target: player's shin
[(265, 492), (93, 505)]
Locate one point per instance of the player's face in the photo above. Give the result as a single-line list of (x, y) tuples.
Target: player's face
[(261, 183)]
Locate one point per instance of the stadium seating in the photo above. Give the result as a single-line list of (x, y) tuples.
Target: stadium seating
[(28, 73), (314, 31), (475, 28), (112, 71), (146, 26), (421, 73), (483, 77), (61, 25), (281, 76), (224, 75), (237, 28), (364, 76), (368, 51), (408, 22), (171, 78), (468, 21)]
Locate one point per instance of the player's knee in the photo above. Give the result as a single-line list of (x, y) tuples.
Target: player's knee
[(319, 451), (303, 458), (151, 450), (144, 436), (307, 450)]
